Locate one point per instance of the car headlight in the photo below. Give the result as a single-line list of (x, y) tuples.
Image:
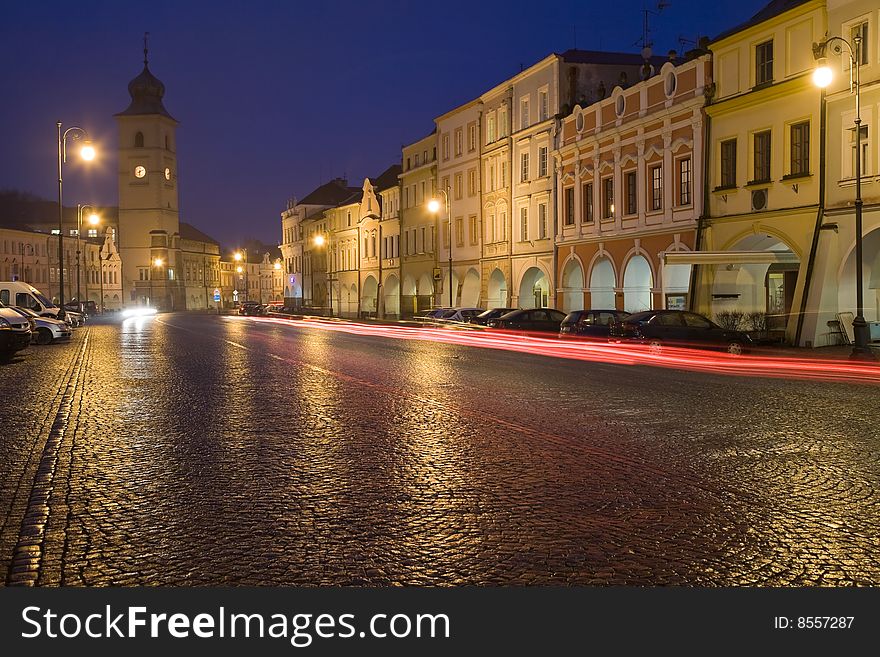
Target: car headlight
[(4, 323)]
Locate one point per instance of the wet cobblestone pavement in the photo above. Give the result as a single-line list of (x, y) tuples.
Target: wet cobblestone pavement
[(195, 450)]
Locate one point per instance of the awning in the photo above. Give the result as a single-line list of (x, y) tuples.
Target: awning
[(729, 258)]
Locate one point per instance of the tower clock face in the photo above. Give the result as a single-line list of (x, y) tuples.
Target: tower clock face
[(167, 173), (140, 172)]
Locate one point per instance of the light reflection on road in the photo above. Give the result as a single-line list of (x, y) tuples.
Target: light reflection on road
[(603, 352)]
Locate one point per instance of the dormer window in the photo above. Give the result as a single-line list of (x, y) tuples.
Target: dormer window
[(139, 140)]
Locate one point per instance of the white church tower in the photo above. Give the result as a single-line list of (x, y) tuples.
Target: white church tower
[(149, 223)]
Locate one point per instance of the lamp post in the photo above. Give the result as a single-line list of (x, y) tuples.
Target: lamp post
[(87, 152), (101, 277), (434, 207), (157, 263), (241, 256), (320, 240), (822, 78), (93, 219)]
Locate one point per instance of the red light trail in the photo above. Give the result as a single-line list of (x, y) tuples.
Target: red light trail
[(695, 360)]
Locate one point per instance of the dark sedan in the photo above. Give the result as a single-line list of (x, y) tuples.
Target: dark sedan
[(493, 313), (590, 323), (680, 328), (533, 319), (252, 308)]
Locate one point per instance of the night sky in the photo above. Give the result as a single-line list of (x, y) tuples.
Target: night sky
[(274, 98)]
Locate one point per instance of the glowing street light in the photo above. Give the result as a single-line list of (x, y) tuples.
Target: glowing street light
[(87, 152), (94, 220), (157, 263), (434, 208), (822, 77)]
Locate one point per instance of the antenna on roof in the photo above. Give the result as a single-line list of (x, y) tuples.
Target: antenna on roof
[(684, 41), (645, 42), (146, 47)]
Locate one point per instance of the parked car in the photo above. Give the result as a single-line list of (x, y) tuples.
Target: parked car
[(681, 328), (533, 319), (252, 308), (87, 308), (15, 332), (590, 323), (460, 315), (430, 316), (45, 329), (483, 318)]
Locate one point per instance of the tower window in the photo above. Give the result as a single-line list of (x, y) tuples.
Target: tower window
[(139, 140), (166, 143)]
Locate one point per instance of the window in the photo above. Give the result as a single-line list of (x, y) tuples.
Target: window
[(657, 187), (542, 218), (524, 224), (764, 63), (629, 180), (472, 137), (139, 140), (762, 156), (524, 167), (569, 206), (684, 181), (524, 113), (543, 106), (445, 147), (542, 161), (502, 122), (608, 198), (587, 204), (860, 29), (416, 158), (504, 173), (800, 149), (472, 227), (490, 178), (458, 142), (863, 130), (458, 189), (728, 163), (490, 128), (459, 231), (472, 182)]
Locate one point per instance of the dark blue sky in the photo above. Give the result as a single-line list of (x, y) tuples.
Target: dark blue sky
[(274, 98)]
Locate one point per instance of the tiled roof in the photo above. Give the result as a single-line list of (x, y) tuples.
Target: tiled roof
[(332, 193), (190, 232), (387, 178), (599, 57)]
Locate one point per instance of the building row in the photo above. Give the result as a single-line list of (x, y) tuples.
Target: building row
[(722, 181)]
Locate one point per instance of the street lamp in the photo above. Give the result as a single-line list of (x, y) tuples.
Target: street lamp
[(822, 78), (87, 152), (242, 256), (434, 208), (157, 263), (322, 240), (93, 220)]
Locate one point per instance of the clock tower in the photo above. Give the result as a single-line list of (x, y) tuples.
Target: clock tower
[(149, 222)]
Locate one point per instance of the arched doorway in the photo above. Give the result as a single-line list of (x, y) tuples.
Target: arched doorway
[(391, 296), (497, 292), (369, 296), (637, 283), (534, 289), (846, 289), (572, 286), (761, 288), (602, 284), (470, 289)]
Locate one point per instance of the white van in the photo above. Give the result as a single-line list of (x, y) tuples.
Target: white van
[(18, 293)]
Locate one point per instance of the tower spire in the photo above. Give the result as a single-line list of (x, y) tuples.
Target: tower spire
[(146, 47)]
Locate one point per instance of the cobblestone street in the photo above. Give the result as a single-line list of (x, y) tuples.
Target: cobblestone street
[(206, 450)]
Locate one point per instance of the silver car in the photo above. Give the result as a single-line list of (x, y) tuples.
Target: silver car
[(45, 330)]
